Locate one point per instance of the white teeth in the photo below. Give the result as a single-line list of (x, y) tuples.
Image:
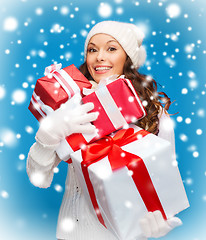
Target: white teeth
[(102, 68)]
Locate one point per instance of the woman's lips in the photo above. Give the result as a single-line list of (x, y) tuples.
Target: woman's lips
[(102, 69)]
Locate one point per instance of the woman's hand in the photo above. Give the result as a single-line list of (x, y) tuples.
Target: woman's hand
[(153, 224), (71, 117)]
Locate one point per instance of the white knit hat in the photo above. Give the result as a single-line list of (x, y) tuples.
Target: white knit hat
[(128, 35)]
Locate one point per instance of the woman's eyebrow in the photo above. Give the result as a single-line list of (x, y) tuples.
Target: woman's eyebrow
[(92, 43), (112, 40)]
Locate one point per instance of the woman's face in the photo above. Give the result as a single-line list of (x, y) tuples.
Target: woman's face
[(105, 57)]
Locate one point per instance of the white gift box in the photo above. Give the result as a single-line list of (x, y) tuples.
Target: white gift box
[(118, 200)]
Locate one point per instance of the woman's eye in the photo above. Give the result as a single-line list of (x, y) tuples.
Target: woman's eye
[(91, 50), (112, 49)]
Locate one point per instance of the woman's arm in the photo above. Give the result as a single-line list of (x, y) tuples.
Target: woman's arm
[(41, 162), (71, 117)]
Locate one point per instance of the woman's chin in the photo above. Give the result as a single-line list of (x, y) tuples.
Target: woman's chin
[(97, 79)]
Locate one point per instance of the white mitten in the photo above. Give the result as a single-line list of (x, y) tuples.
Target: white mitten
[(71, 117), (153, 224)]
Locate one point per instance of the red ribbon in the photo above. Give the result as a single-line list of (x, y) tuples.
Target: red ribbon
[(76, 141), (118, 158)]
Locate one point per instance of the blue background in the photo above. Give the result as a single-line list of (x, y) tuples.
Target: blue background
[(27, 212)]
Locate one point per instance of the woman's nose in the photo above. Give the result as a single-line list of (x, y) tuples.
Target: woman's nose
[(101, 56)]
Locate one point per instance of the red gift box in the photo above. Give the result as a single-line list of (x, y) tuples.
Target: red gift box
[(56, 88), (117, 103)]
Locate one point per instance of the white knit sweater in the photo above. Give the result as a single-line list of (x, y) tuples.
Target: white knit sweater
[(75, 220)]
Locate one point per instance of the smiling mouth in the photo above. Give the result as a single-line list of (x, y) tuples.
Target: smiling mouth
[(98, 69)]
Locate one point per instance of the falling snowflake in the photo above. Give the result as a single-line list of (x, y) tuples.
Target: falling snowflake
[(184, 91), (21, 156), (192, 148), (56, 28), (179, 119), (168, 124), (131, 99), (153, 158), (170, 61), (189, 181), (67, 225), (183, 137), (56, 170), (195, 154), (123, 154), (8, 137), (25, 85), (144, 103), (199, 131), (193, 84), (18, 136), (39, 11), (41, 53), (189, 48), (105, 10), (174, 37), (128, 204), (58, 188), (29, 129), (68, 56), (119, 10), (188, 120), (191, 74), (64, 10), (37, 178), (173, 10), (83, 33), (189, 28), (19, 96), (7, 51), (4, 194), (10, 24), (201, 112)]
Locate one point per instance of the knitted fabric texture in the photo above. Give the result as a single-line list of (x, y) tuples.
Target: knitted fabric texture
[(128, 35)]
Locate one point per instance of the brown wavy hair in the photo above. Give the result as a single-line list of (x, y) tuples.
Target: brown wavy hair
[(146, 88)]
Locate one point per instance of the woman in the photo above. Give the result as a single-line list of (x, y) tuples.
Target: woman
[(111, 48)]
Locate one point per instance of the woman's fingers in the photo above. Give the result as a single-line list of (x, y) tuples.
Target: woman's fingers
[(163, 227), (153, 224), (144, 225), (174, 222), (85, 128), (86, 118), (85, 108)]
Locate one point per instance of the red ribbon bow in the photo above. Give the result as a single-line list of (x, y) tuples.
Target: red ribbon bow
[(118, 158)]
